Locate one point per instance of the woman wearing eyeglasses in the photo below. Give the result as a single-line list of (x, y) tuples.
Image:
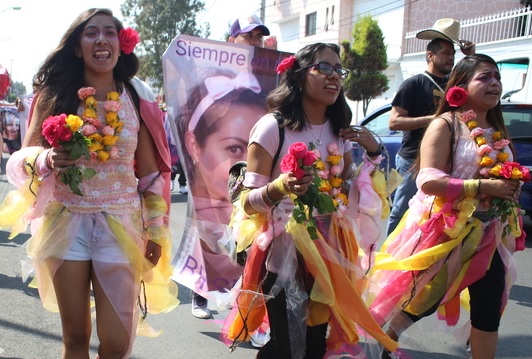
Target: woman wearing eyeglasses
[(308, 283)]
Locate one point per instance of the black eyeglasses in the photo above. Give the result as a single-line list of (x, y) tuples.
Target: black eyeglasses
[(326, 69)]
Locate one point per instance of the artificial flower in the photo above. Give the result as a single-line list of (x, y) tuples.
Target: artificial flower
[(107, 138), (128, 39), (468, 116), (456, 96), (80, 136), (494, 164), (286, 64), (325, 191), (58, 133)]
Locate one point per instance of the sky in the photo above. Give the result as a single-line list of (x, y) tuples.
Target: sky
[(28, 35)]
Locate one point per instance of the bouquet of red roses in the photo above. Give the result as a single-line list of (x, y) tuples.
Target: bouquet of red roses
[(65, 131), (299, 158)]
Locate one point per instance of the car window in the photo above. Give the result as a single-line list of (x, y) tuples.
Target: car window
[(379, 125), (518, 121)]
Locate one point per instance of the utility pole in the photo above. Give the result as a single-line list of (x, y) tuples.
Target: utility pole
[(262, 9)]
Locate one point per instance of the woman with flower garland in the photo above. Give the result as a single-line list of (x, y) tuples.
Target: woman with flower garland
[(309, 272), (112, 235), (464, 224)]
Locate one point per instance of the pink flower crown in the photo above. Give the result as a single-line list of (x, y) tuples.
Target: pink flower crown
[(128, 38)]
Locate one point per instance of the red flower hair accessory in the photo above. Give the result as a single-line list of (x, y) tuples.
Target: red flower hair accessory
[(456, 96), (128, 38), (286, 64)]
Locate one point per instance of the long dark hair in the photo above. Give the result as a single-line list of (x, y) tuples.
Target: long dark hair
[(461, 75), (286, 98), (61, 75)]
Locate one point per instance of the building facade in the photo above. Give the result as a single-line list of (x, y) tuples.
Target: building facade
[(498, 28)]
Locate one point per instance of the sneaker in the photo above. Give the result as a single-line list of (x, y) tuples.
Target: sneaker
[(259, 338), (171, 185), (199, 307), (183, 189), (387, 355), (468, 352)]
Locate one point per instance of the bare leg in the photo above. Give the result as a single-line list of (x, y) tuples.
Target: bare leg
[(72, 288), (114, 338), (398, 324), (483, 344)]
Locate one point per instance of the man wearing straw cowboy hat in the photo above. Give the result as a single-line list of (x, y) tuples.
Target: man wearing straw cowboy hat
[(415, 103)]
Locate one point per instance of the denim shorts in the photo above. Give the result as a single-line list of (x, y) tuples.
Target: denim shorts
[(95, 241)]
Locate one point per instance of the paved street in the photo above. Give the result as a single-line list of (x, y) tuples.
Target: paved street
[(27, 331)]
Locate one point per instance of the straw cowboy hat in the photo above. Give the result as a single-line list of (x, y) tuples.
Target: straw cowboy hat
[(447, 29)]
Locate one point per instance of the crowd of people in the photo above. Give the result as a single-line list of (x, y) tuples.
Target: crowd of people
[(312, 280)]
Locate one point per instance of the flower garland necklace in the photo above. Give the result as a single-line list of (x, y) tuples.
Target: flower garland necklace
[(325, 192), (102, 146), (493, 158), (492, 153)]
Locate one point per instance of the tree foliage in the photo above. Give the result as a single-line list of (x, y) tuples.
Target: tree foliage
[(366, 60), (158, 22), (17, 89)]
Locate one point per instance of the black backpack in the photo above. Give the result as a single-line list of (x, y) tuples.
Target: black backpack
[(237, 171)]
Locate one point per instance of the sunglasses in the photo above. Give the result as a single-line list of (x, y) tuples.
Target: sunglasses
[(326, 69)]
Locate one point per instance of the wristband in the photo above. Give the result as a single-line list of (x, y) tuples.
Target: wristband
[(279, 185), (470, 188), (377, 152)]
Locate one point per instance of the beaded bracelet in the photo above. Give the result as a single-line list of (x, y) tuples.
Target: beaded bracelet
[(274, 203)]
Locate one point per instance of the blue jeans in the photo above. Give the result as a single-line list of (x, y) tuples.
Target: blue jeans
[(406, 190)]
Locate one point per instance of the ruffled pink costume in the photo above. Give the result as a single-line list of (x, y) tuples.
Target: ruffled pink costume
[(440, 248)]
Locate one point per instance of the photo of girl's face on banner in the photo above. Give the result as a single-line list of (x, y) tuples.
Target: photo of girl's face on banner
[(10, 126), (214, 127), (215, 92)]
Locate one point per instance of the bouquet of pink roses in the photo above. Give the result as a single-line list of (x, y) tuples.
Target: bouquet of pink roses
[(299, 158), (65, 131)]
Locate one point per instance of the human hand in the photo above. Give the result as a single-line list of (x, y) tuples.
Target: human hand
[(295, 185), (467, 47), (501, 188), (153, 252), (362, 136), (59, 160)]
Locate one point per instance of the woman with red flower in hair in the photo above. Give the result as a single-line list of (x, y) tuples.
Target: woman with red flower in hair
[(305, 265), (457, 239), (112, 234)]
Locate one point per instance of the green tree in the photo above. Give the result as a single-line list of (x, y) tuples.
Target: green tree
[(17, 89), (365, 59), (158, 22)]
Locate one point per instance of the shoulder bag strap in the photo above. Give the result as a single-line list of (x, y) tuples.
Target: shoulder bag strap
[(434, 82), (280, 121)]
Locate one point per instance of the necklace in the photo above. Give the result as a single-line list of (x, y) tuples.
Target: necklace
[(103, 137), (492, 151), (318, 139)]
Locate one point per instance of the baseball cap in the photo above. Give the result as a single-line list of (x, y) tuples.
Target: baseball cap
[(247, 24)]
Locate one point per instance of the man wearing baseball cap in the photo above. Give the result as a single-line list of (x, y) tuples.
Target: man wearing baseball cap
[(413, 108), (248, 31)]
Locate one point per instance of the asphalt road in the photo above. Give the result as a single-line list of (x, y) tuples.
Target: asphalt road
[(27, 331)]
